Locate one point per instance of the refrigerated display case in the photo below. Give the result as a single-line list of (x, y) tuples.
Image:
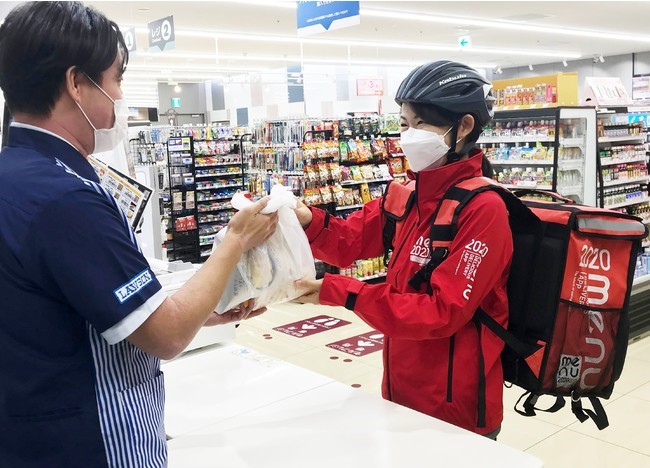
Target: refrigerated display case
[(623, 186), (549, 149)]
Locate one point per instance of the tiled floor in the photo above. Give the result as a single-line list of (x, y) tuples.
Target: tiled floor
[(558, 439)]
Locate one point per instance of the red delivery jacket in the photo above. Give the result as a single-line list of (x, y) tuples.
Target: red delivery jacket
[(431, 351)]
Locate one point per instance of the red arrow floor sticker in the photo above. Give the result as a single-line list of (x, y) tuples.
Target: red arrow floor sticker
[(311, 326), (360, 345)]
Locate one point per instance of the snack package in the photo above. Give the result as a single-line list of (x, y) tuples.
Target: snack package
[(379, 148), (348, 197), (335, 171), (363, 150), (384, 173), (333, 150), (266, 274), (312, 176), (326, 194), (396, 166), (357, 197), (346, 174), (324, 173), (339, 195), (367, 172), (343, 149), (352, 150), (394, 147), (356, 173), (365, 193), (309, 151)]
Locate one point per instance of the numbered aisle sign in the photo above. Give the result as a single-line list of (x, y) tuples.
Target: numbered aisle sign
[(129, 40), (161, 35)]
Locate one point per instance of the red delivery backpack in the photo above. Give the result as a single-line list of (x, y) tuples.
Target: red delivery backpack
[(568, 291)]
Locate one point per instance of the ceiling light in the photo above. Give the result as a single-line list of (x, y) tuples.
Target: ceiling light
[(372, 44), (530, 67), (468, 21), (177, 89), (564, 62)]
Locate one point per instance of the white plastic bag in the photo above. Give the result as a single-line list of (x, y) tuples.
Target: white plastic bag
[(267, 273)]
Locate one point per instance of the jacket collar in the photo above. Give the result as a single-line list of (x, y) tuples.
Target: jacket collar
[(50, 146), (432, 184)]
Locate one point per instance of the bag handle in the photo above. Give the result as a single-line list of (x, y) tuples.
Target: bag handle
[(519, 193)]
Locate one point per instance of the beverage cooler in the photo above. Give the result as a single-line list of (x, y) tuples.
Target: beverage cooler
[(547, 149)]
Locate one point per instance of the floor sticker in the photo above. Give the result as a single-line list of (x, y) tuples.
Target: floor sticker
[(360, 345), (311, 326)]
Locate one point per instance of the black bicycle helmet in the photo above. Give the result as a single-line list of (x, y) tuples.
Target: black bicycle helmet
[(451, 86)]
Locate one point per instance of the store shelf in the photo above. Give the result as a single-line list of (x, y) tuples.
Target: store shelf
[(570, 164), (640, 137), (637, 180), (570, 190), (350, 207), (522, 139), (214, 187), (572, 142), (543, 105), (611, 161), (201, 166), (223, 174), (628, 203), (368, 278), (368, 181), (521, 162), (528, 186), (215, 210), (213, 199)]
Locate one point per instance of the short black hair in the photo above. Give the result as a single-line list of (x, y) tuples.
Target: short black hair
[(439, 117), (39, 41)]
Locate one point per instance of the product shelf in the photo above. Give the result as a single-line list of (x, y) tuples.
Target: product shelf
[(611, 161), (521, 162), (628, 203), (368, 278), (636, 180), (223, 174), (201, 166), (365, 181), (572, 142), (521, 139), (531, 185), (639, 137), (570, 164)]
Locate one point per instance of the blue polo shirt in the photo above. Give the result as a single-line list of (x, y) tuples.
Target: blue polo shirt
[(73, 286)]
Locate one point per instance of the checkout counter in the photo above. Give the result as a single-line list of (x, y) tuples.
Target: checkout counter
[(231, 407)]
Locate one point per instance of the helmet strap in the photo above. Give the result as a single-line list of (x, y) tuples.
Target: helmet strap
[(452, 155)]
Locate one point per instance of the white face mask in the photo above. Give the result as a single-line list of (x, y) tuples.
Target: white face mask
[(424, 149), (107, 139)]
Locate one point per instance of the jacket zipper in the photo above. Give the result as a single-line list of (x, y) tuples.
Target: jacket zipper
[(388, 391), (450, 369)]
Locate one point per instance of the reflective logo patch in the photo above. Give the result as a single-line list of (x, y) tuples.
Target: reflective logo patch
[(128, 290)]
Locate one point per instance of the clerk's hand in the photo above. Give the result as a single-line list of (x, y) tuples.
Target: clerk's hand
[(250, 227), (312, 291), (243, 311), (303, 213)]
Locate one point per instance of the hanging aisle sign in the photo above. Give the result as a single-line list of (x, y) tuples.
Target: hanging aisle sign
[(161, 35), (129, 40), (318, 17)]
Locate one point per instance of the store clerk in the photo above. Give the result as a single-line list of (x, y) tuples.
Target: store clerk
[(83, 320)]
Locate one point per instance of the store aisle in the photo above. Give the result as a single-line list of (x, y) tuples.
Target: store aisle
[(558, 439)]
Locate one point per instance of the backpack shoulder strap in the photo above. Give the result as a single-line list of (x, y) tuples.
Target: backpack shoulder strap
[(445, 219), (396, 203)]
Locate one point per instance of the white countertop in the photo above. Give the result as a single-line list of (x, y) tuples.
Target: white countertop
[(234, 408)]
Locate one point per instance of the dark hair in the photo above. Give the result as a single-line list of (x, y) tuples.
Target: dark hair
[(39, 41), (443, 118)]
